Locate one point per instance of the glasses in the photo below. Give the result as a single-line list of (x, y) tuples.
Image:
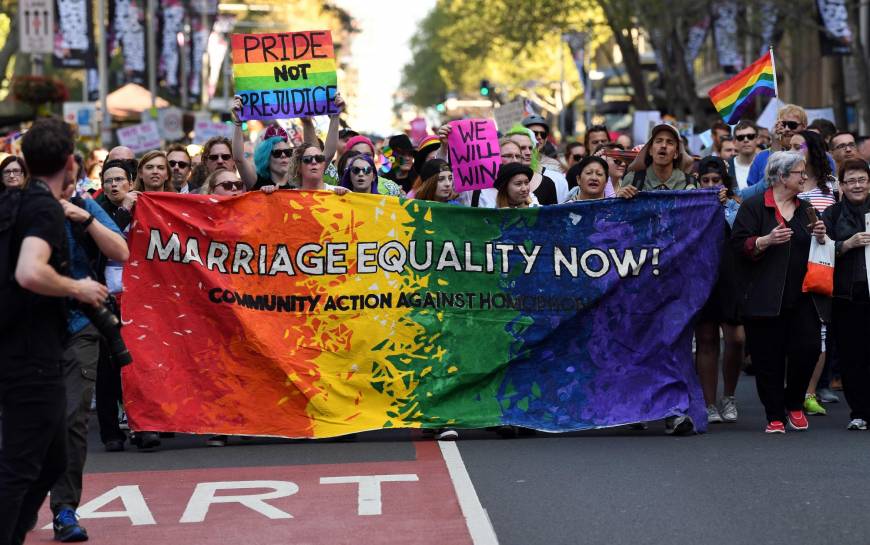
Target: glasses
[(361, 170), (540, 134), (745, 137), (803, 173), (577, 158), (791, 125), (116, 180), (286, 152), (223, 156), (856, 181), (13, 173), (231, 186), (308, 159), (179, 164), (846, 145)]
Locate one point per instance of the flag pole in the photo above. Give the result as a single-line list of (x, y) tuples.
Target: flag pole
[(775, 85)]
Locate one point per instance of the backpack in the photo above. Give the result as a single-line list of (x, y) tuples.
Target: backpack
[(10, 203)]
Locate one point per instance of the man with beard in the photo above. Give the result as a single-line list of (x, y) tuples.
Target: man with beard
[(661, 164)]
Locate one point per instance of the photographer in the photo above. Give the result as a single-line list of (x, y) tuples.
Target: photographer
[(32, 338), (92, 237)]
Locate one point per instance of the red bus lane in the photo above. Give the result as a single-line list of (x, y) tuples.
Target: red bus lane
[(360, 503)]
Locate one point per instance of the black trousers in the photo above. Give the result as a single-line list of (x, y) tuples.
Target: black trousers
[(32, 444), (853, 341), (108, 396), (784, 350)]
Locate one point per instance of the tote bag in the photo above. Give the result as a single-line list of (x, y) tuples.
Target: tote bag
[(820, 268)]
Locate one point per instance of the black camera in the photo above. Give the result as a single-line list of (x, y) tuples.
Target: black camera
[(106, 318)]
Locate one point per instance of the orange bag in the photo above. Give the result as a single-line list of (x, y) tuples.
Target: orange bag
[(820, 268)]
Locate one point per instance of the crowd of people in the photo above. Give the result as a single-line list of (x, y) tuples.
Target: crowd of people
[(779, 191)]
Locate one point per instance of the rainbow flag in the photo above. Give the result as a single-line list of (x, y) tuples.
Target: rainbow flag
[(305, 314), (733, 96)]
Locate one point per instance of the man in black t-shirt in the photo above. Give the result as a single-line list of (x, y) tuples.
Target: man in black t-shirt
[(32, 395)]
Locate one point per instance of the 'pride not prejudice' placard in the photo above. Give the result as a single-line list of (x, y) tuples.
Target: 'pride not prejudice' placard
[(284, 75)]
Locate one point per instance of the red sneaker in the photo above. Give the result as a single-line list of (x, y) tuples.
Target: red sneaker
[(797, 420), (775, 427)]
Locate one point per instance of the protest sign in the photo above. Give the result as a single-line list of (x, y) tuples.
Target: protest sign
[(283, 75), (508, 115), (140, 138), (170, 123), (367, 312), (644, 120), (474, 154), (82, 115), (203, 129)]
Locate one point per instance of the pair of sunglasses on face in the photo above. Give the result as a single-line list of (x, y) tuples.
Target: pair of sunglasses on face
[(180, 164), (224, 156), (286, 152), (309, 159), (231, 186), (361, 170)]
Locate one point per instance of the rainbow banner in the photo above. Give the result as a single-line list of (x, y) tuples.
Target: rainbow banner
[(306, 314), (731, 98), (284, 75)]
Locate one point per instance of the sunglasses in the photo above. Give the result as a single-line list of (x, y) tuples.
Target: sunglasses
[(216, 156), (179, 164), (361, 170), (540, 134), (232, 186), (791, 125), (286, 152), (308, 159), (577, 158), (746, 137), (618, 162)]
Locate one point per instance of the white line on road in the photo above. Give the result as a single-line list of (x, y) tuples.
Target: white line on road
[(479, 525)]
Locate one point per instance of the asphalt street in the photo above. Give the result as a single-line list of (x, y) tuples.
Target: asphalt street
[(733, 485)]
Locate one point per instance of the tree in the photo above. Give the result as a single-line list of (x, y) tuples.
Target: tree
[(862, 62)]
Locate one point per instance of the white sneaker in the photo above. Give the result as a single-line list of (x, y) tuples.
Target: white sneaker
[(713, 416), (447, 434), (728, 409), (857, 424)]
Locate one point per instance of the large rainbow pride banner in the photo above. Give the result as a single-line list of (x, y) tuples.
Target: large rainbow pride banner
[(306, 314), (284, 75)]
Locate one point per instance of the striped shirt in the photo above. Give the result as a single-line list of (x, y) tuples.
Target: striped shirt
[(820, 201)]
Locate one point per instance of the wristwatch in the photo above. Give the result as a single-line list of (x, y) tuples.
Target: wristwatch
[(88, 222)]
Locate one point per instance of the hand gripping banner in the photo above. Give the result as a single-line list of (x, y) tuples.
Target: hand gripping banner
[(306, 314)]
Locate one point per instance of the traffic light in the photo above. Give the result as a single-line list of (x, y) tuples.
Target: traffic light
[(485, 88)]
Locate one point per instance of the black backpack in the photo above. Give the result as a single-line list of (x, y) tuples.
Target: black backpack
[(10, 203)]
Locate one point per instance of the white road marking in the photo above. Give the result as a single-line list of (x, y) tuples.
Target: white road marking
[(479, 525)]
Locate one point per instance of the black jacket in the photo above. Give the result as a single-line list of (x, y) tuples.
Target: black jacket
[(848, 264), (762, 277), (121, 216)]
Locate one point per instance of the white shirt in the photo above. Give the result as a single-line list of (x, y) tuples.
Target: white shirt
[(741, 173), (487, 198), (560, 182)]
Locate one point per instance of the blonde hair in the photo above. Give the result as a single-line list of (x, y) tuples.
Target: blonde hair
[(209, 183), (793, 110), (139, 185)]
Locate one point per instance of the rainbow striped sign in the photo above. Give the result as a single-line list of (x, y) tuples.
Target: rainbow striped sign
[(284, 75)]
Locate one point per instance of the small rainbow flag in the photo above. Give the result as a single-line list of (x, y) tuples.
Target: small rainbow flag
[(733, 96)]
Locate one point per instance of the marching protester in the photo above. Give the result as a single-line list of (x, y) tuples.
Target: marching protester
[(225, 183), (590, 175), (719, 132), (541, 131), (92, 239), (402, 171), (574, 153), (13, 172), (843, 148), (721, 309), (307, 168), (509, 152), (596, 135), (428, 148), (662, 163), (513, 184), (32, 391), (746, 139), (727, 148), (436, 183), (772, 233), (616, 167), (846, 225), (153, 173), (217, 154), (360, 176), (179, 167), (544, 186), (790, 119)]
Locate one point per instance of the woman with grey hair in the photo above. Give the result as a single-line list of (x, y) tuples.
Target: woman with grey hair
[(772, 234)]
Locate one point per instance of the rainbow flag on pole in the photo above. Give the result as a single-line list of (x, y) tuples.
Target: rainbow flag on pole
[(733, 96)]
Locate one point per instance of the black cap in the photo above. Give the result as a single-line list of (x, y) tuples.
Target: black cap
[(401, 142), (432, 167), (508, 171)]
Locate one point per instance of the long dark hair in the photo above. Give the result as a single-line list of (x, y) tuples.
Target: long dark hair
[(346, 173), (817, 159)]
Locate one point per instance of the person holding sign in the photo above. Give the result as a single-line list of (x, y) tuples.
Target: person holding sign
[(307, 169), (153, 173), (847, 222), (513, 184), (661, 164)]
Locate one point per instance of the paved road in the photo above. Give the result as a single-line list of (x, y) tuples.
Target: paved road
[(733, 485)]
